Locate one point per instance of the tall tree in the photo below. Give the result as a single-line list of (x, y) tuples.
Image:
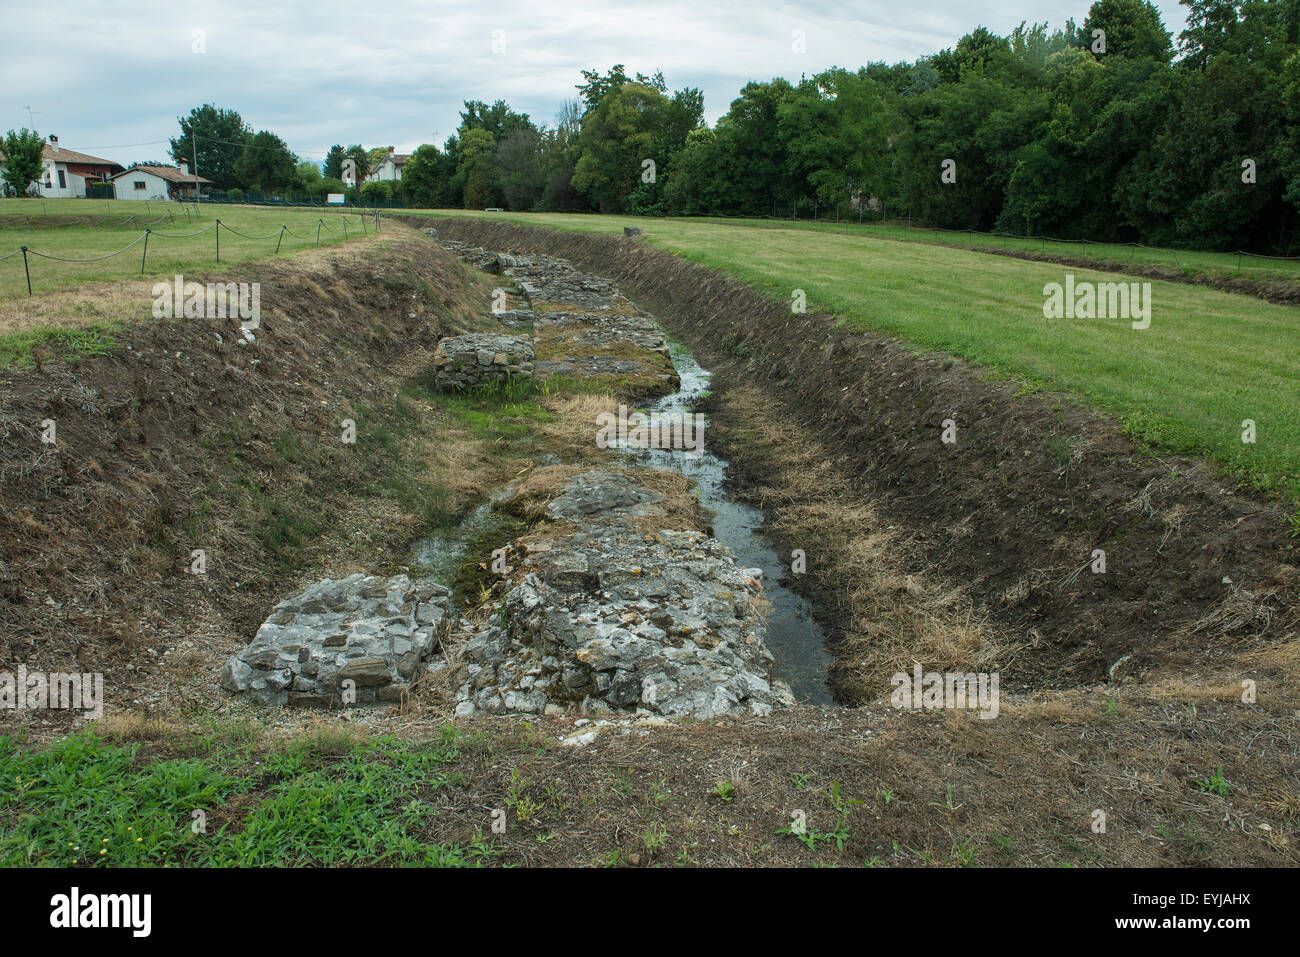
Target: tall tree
[(266, 164), (334, 162), (426, 179), (478, 168), (217, 137), (360, 157), (1133, 28), (519, 166)]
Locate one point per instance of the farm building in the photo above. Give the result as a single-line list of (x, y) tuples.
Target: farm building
[(157, 183)]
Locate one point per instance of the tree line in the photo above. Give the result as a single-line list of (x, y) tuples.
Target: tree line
[(1107, 130)]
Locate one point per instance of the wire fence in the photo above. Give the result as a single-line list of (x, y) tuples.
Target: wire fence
[(215, 227)]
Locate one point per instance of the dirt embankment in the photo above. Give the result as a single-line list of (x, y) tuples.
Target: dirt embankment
[(184, 438), (1010, 514)]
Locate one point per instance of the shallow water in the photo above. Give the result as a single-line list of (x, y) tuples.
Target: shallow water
[(794, 638)]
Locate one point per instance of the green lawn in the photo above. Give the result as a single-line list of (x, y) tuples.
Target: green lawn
[(59, 229), (321, 800), (1208, 361), (1189, 261)]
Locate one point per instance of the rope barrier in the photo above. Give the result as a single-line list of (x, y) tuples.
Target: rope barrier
[(197, 232), (135, 242)]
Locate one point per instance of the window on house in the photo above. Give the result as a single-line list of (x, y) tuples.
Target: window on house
[(139, 184), (63, 182)]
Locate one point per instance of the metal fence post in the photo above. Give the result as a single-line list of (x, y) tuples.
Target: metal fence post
[(28, 271), (145, 252)]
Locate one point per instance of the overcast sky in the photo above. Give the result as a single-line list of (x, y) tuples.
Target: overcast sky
[(111, 78)]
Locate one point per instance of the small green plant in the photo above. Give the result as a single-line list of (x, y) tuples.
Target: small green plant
[(525, 808), (621, 781), (1110, 709), (964, 852), (1215, 783), (724, 790), (886, 795), (800, 781), (946, 804), (659, 792), (839, 832), (654, 839)]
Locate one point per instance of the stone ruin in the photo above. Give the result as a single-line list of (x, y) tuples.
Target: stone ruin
[(363, 634), (469, 361), (611, 618)]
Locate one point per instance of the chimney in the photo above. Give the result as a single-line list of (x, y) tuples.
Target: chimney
[(185, 168)]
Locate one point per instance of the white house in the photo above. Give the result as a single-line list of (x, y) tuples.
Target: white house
[(64, 173), (391, 167), (157, 183)]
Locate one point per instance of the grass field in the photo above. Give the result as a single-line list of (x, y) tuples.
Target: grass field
[(1209, 360), (1188, 260), (184, 240)]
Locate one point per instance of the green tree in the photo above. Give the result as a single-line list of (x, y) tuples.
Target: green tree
[(426, 179), (618, 137), (1133, 29), (360, 157), (377, 191), (498, 119), (308, 178), (215, 139), (519, 168), (559, 157), (334, 162), (832, 133), (478, 168), (22, 160), (266, 164), (598, 86)]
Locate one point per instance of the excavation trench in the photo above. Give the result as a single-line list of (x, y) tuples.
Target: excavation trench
[(790, 632), (974, 556)]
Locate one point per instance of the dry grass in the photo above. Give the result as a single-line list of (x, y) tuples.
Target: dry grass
[(572, 430), (885, 619)]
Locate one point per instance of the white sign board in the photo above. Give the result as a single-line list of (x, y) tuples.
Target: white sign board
[(336, 198)]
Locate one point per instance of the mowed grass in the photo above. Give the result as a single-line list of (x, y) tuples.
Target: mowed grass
[(1122, 254), (172, 250), (1209, 361)]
